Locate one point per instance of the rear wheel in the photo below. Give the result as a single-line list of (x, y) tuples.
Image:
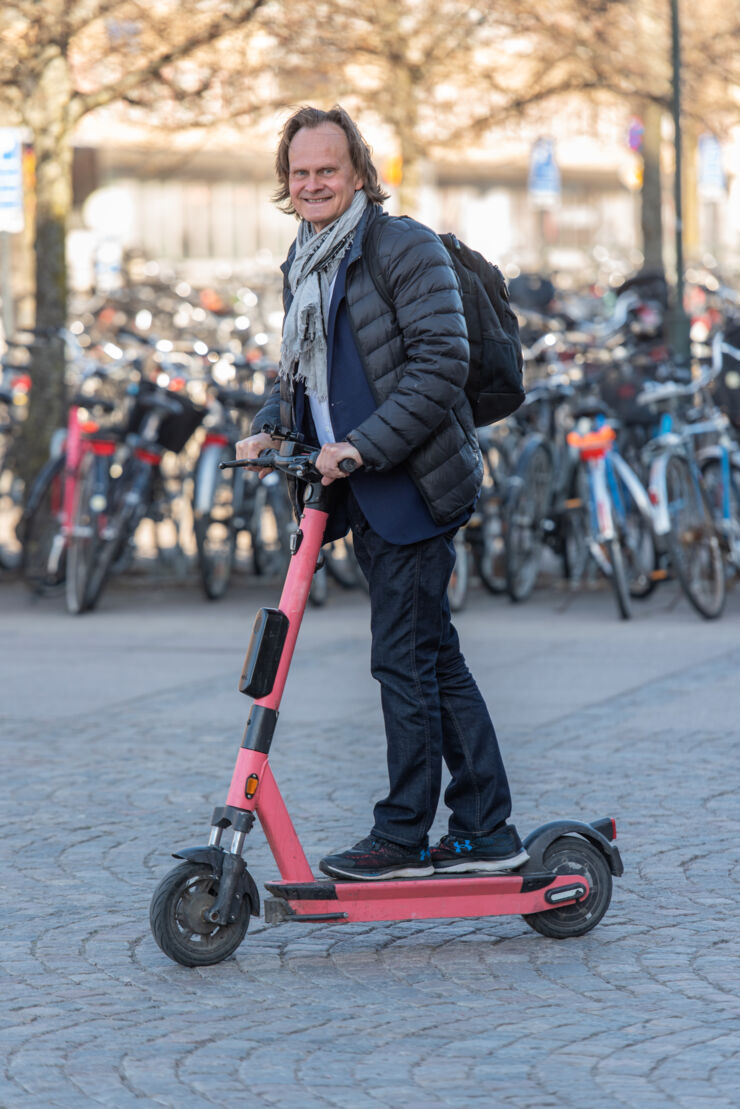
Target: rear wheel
[(43, 555), (573, 855), (178, 918), (694, 544), (525, 524)]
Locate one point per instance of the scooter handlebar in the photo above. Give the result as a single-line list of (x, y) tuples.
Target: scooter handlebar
[(302, 466)]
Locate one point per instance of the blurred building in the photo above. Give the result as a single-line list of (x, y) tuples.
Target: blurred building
[(204, 206)]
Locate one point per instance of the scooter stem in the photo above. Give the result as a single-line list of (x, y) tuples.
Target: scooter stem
[(253, 788)]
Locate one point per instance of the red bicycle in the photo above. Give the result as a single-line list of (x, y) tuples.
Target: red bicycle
[(45, 527)]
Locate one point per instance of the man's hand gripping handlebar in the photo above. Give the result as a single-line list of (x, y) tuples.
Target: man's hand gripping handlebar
[(258, 451), (301, 466)]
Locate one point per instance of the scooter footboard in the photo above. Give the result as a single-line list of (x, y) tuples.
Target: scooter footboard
[(423, 898)]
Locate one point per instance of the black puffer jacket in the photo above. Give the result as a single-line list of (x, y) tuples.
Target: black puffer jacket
[(415, 356)]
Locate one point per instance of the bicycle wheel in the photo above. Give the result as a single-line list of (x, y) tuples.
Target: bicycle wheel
[(270, 526), (125, 498), (43, 547), (214, 527), (693, 542), (723, 498), (635, 532), (525, 523), (85, 534), (457, 589), (489, 547), (318, 594), (618, 577), (573, 527), (341, 563)]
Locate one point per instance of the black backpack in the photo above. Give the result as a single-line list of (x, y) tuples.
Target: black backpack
[(495, 386)]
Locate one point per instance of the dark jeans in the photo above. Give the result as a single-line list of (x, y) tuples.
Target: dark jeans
[(432, 707)]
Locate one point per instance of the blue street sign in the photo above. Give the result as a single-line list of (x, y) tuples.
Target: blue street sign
[(544, 175), (11, 179)]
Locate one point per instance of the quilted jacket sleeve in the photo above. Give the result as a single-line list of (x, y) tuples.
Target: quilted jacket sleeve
[(428, 312)]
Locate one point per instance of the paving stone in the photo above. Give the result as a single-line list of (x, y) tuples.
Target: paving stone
[(118, 757)]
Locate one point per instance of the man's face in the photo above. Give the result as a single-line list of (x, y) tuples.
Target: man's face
[(322, 179)]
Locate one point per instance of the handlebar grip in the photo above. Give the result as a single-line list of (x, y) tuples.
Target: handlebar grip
[(348, 465)]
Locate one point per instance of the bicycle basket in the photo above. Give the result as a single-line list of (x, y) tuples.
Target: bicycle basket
[(620, 385), (176, 428)]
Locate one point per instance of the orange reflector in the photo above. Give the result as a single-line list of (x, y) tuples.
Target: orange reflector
[(89, 427), (592, 444), (659, 575), (251, 787)]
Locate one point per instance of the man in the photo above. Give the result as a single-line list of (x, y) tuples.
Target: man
[(383, 385)]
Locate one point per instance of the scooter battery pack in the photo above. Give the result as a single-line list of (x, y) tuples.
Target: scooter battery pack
[(264, 652)]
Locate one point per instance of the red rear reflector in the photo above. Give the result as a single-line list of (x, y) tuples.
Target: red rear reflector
[(103, 447), (214, 439), (147, 456), (614, 829)]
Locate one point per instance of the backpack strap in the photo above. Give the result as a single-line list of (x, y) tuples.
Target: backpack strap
[(371, 251)]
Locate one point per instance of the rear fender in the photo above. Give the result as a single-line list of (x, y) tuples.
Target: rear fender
[(538, 841), (213, 856)]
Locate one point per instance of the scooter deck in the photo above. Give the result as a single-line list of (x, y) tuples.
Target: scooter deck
[(441, 896)]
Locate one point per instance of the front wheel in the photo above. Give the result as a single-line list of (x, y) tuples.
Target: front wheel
[(85, 535), (619, 578), (178, 918), (573, 855)]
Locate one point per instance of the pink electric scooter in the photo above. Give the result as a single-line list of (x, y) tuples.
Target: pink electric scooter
[(200, 911)]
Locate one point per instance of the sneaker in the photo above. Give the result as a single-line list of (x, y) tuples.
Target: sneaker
[(373, 859), (501, 850)]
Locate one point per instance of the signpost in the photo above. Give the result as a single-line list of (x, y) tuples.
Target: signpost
[(11, 212)]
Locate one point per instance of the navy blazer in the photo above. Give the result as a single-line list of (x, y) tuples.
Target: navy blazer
[(390, 501)]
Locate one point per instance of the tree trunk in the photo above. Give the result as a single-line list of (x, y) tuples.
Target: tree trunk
[(48, 116), (651, 213)]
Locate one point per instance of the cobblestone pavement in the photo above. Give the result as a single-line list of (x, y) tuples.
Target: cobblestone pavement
[(119, 735)]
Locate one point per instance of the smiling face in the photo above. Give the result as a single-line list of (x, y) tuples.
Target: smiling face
[(322, 179)]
